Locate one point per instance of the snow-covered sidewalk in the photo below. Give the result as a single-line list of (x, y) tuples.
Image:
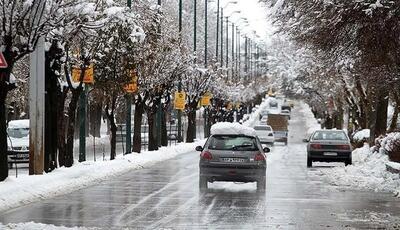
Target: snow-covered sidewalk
[(26, 189)]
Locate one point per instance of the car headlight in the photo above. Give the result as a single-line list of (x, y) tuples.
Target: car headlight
[(24, 148)]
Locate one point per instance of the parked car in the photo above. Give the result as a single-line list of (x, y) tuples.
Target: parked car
[(232, 155), (263, 120), (265, 134), (286, 113), (328, 146), (18, 142)]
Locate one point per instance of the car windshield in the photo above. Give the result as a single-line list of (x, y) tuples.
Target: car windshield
[(331, 135), (18, 132), (267, 128), (231, 142)]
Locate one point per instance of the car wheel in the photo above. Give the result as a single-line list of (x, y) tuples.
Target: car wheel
[(309, 163), (285, 142), (261, 184), (348, 162), (203, 183), (10, 165)]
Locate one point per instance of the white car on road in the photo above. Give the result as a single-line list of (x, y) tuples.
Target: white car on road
[(265, 134)]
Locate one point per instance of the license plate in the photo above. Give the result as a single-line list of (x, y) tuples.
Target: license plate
[(233, 160), (330, 154), (21, 155)]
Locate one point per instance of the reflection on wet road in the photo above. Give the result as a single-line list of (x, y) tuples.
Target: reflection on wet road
[(167, 196)]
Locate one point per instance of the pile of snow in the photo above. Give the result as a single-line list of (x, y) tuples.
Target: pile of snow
[(15, 124), (361, 135), (391, 142), (311, 122), (227, 128), (368, 171), (26, 189), (36, 226)]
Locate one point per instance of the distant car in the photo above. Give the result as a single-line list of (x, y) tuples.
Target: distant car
[(273, 103), (329, 146), (286, 113), (232, 156), (264, 120), (18, 142), (265, 134), (286, 107)]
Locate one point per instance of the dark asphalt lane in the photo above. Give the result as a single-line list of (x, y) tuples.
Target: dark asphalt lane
[(166, 196)]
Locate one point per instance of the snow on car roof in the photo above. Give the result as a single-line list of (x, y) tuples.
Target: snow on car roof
[(18, 124), (227, 128)]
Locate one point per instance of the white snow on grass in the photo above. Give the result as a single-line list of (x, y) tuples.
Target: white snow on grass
[(26, 189)]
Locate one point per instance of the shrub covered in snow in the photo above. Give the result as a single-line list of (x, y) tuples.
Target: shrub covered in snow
[(390, 145), (359, 137)]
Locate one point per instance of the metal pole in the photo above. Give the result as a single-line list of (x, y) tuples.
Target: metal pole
[(159, 109), (82, 124), (227, 45), (217, 41), (233, 49), (222, 36), (205, 32), (180, 82), (128, 120), (195, 26)]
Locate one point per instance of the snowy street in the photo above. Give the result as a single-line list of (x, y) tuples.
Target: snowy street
[(166, 195)]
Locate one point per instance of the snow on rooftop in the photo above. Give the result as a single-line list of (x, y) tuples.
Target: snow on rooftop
[(19, 123), (227, 128)]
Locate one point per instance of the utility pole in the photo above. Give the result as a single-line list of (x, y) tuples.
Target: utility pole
[(159, 109), (128, 102), (227, 45), (180, 80), (37, 100), (217, 42), (233, 50), (205, 61), (222, 36)]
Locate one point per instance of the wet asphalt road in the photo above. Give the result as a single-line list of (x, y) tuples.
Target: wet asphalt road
[(167, 196)]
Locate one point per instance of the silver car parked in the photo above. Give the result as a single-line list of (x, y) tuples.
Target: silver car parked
[(328, 146), (237, 157)]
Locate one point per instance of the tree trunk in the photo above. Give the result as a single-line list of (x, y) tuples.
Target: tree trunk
[(61, 127), (152, 129), (69, 155), (137, 127), (3, 133), (113, 140), (164, 132), (5, 87), (50, 119), (191, 131), (381, 113)]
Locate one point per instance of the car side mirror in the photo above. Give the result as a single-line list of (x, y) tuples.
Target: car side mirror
[(199, 148), (266, 150), (305, 140)]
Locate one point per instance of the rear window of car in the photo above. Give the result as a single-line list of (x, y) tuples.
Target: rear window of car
[(18, 132), (331, 135), (233, 142), (265, 128)]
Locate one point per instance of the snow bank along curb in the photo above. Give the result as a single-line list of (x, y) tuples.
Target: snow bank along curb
[(26, 189), (36, 226), (367, 172)]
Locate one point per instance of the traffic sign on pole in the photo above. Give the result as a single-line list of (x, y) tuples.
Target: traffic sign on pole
[(3, 62)]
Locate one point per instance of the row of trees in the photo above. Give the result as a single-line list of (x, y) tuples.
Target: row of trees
[(118, 41), (348, 60)]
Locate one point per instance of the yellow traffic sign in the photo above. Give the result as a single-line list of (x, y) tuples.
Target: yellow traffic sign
[(180, 100), (206, 99), (88, 76), (132, 87)]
